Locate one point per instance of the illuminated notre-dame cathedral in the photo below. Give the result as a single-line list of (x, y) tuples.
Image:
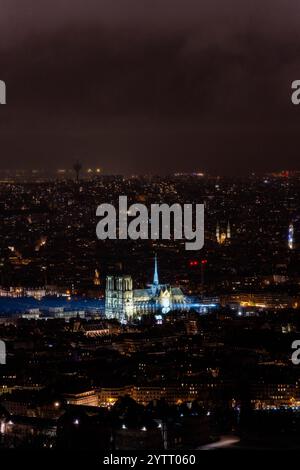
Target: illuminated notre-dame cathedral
[(123, 302)]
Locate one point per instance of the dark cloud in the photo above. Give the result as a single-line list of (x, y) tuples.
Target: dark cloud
[(150, 86)]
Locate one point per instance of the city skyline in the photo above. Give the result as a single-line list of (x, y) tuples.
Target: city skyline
[(107, 344)]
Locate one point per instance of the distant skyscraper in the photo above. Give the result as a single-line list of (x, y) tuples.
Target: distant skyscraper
[(291, 241), (77, 168)]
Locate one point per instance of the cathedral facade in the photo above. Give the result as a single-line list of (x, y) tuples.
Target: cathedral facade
[(123, 302)]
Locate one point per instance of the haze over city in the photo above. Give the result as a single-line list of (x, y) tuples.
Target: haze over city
[(150, 87)]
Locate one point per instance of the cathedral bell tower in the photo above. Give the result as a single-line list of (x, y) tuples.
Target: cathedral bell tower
[(119, 297)]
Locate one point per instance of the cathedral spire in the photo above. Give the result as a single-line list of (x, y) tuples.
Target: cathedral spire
[(155, 277)]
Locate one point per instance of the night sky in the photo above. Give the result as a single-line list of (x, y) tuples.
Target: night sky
[(158, 86)]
